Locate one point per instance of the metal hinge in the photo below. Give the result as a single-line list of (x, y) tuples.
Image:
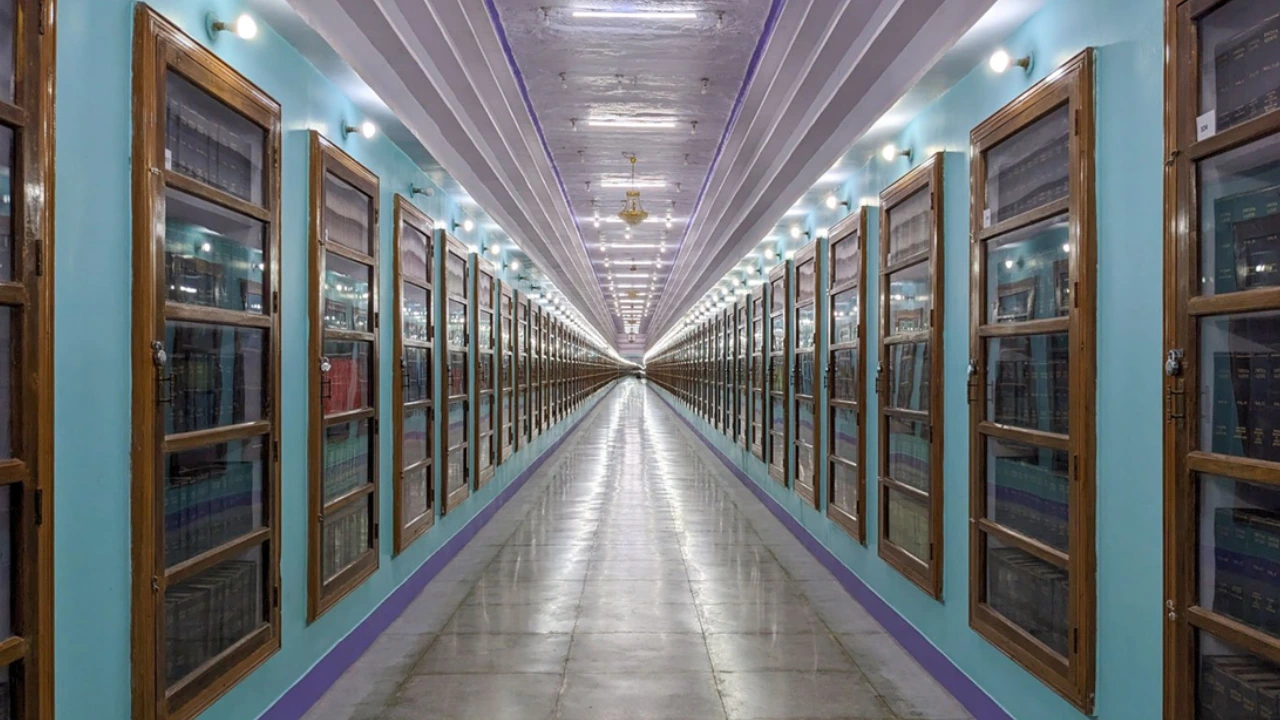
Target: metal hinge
[(275, 301), (39, 257), (1175, 402), (373, 425), (38, 502), (41, 12), (973, 381), (377, 215), (275, 156), (275, 596), (376, 318), (1075, 641), (275, 450), (375, 531), (1077, 121)]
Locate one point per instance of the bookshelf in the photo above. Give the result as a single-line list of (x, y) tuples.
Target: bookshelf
[(453, 368), (1222, 363), (507, 377), (206, 379), (343, 427), (1030, 387), (413, 451), (759, 373), (742, 373), (844, 441), (908, 383), (806, 325), (779, 340), (484, 330), (535, 368), (524, 419)]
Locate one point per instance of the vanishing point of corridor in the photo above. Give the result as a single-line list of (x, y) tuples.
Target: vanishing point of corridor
[(634, 577)]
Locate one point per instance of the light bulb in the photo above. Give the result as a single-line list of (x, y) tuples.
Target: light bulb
[(246, 28), (514, 265), (889, 152), (368, 129), (769, 254), (468, 225), (1066, 247), (832, 202), (1000, 61), (795, 232), (494, 250), (1008, 264)]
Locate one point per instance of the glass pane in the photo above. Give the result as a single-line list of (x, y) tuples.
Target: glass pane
[(1240, 218), (777, 296), (1240, 387), (8, 80), (457, 380), (1028, 381), (212, 495), (417, 374), (417, 494), (211, 611), (844, 487), (457, 472), (213, 257), (1239, 543), (844, 317), (845, 443), (757, 407), (455, 267), (845, 260), (805, 328), (910, 227), (486, 414), (1027, 490), (757, 337), (1029, 592), (346, 538), (778, 450), (486, 291), (1029, 169), (777, 373), (844, 380), (346, 458), (347, 214), (417, 436), (806, 281), (1239, 53), (485, 331), (908, 524), (1029, 273), (779, 343), (415, 253), (206, 140), (909, 376), (910, 452), (1231, 683), (417, 313), (346, 294), (506, 335), (804, 374), (457, 327), (217, 376), (346, 385), (909, 300), (7, 346), (484, 381), (8, 572), (7, 169), (805, 473), (804, 422), (457, 430)]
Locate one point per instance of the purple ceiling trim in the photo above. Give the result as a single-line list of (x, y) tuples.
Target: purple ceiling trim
[(537, 126), (770, 24)]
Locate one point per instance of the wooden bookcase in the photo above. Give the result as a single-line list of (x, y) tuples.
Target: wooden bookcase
[(524, 365), (484, 335), (806, 326), (742, 373), (1222, 362), (412, 389), (779, 377), (759, 374), (453, 368), (1031, 381), (343, 427), (507, 376), (206, 368), (726, 359), (909, 385), (844, 443)]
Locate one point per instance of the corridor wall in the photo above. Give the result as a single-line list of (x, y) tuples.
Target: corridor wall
[(1129, 73)]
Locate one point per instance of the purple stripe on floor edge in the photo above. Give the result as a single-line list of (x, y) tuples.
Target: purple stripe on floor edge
[(298, 699), (979, 704)]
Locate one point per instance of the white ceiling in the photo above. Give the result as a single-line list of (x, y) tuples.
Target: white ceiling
[(477, 82)]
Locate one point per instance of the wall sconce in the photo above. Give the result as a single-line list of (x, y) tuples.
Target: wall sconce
[(834, 202), (890, 152), (1001, 61), (495, 250), (769, 254), (467, 225), (367, 130), (244, 26), (797, 233), (417, 190), (513, 266)]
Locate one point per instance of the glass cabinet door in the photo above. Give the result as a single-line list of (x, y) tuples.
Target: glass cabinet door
[(804, 336), (845, 445), (414, 392), (455, 370)]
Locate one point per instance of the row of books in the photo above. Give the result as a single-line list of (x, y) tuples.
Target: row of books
[(909, 376), (1029, 390), (1245, 232), (1031, 593), (209, 613), (201, 147), (1247, 74), (1246, 401), (346, 214), (1237, 687), (226, 275), (417, 494), (417, 436), (1031, 499), (346, 458), (1246, 566), (346, 539), (347, 380), (909, 526), (1039, 178), (910, 453), (208, 504), (909, 231), (202, 393)]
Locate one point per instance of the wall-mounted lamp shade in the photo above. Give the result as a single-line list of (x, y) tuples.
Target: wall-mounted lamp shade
[(890, 152), (419, 190), (1001, 61), (244, 26)]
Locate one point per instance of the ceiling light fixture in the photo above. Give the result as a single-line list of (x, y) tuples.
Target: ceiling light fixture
[(573, 123), (630, 122), (495, 250), (244, 26), (834, 202), (891, 152), (419, 190), (467, 225), (693, 127), (1001, 61), (637, 15), (706, 83), (564, 81), (367, 130)]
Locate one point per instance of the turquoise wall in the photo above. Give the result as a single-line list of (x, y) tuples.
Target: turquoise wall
[(92, 354), (1128, 40)]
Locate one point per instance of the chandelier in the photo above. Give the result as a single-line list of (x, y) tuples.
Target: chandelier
[(633, 212)]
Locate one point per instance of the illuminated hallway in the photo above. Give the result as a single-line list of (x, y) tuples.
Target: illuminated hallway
[(635, 577)]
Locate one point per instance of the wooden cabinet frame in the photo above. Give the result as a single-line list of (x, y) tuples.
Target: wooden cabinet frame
[(806, 487), (409, 529), (780, 376), (524, 365), (742, 374), (159, 49), (508, 385), (924, 572), (853, 520), (760, 368), (484, 435), (1190, 622), (328, 159), (456, 442), (1067, 90)]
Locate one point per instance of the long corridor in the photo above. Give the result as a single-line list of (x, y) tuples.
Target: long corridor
[(634, 577)]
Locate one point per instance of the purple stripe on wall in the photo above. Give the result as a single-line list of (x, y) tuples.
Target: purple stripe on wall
[(961, 686), (297, 700)]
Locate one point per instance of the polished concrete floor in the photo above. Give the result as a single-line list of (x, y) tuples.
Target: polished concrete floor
[(634, 577)]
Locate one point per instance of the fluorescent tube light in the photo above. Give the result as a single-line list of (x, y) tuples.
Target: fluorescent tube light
[(624, 122), (637, 15)]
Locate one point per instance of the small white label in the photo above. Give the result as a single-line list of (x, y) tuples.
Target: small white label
[(986, 217), (1207, 125), (168, 159)]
